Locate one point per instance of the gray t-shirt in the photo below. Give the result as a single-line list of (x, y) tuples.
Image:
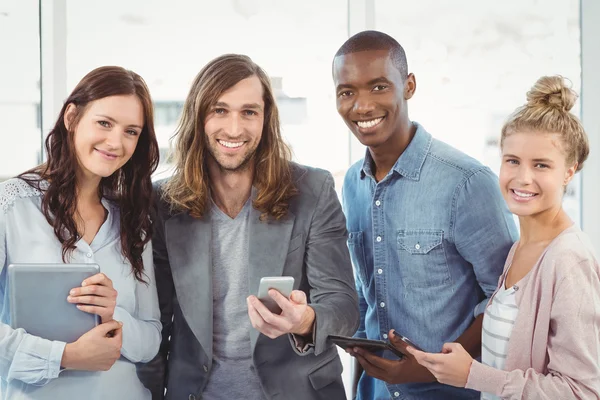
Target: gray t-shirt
[(233, 375)]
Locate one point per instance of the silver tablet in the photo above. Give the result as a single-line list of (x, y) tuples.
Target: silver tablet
[(38, 300)]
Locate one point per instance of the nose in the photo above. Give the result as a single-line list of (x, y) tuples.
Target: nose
[(363, 105), (524, 175), (235, 126), (114, 138)]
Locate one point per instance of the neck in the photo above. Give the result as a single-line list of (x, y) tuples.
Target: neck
[(87, 189), (230, 189), (543, 227), (385, 156)]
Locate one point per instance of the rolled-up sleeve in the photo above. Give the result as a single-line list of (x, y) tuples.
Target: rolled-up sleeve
[(484, 229)]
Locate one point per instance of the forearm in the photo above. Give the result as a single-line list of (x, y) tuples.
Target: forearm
[(28, 358), (471, 338)]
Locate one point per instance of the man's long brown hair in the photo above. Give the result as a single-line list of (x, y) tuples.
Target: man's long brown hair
[(189, 187), (130, 187)]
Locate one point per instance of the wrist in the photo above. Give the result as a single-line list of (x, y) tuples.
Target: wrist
[(69, 356), (307, 323)]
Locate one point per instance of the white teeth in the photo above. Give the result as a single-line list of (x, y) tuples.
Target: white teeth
[(521, 194), (231, 145), (369, 124)]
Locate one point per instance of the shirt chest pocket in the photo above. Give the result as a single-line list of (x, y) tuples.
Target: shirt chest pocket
[(422, 260)]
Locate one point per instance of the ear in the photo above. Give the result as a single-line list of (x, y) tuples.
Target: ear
[(570, 173), (69, 116), (410, 86)]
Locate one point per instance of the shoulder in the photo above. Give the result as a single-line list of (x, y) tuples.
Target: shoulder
[(310, 180), (15, 189), (446, 156), (571, 255)]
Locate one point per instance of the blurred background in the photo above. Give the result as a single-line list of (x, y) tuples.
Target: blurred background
[(473, 60)]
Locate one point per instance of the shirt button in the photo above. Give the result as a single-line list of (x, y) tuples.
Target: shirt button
[(380, 271), (205, 368), (385, 335), (89, 255), (377, 203), (417, 246), (396, 394), (382, 304), (378, 238)]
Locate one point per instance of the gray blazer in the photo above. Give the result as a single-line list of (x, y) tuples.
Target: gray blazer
[(309, 244)]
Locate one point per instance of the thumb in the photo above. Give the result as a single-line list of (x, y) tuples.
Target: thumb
[(395, 337), (109, 326), (298, 296), (448, 348)]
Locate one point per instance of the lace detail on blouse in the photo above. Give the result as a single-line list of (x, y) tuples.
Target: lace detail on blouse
[(14, 189)]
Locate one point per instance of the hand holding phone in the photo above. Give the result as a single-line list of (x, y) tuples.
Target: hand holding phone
[(283, 284)]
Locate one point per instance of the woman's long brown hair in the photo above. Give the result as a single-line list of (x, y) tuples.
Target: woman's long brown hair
[(188, 189), (130, 187)]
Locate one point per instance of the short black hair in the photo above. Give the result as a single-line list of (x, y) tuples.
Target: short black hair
[(375, 40)]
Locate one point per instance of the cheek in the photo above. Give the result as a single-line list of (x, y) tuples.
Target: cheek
[(130, 146), (257, 128), (552, 185), (211, 126)]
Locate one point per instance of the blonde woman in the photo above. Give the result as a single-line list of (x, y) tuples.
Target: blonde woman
[(541, 329)]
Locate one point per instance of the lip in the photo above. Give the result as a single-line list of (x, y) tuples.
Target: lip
[(369, 129), (230, 149), (107, 154), (520, 199)]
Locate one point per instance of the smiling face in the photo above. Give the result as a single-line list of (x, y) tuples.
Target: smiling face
[(534, 172), (107, 134), (234, 125), (372, 95)]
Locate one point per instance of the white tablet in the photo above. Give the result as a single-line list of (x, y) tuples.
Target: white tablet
[(38, 300)]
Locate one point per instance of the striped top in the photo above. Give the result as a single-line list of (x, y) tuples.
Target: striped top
[(498, 322)]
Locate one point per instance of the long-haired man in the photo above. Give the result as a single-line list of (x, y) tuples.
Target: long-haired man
[(236, 210)]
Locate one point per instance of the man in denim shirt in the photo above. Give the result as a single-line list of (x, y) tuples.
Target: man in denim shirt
[(429, 229)]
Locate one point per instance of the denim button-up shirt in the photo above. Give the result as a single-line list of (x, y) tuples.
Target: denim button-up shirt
[(428, 243)]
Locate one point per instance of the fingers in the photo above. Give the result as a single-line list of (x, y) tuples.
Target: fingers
[(298, 297), (105, 313), (258, 320), (451, 347), (94, 290), (98, 279), (106, 327), (105, 302), (370, 369), (379, 362), (282, 301)]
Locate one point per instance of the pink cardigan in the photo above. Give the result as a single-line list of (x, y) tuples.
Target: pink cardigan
[(554, 348)]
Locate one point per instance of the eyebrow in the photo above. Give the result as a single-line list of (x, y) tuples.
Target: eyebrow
[(252, 106), (370, 83), (544, 160), (115, 121)]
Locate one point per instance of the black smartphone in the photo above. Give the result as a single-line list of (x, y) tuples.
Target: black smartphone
[(406, 340)]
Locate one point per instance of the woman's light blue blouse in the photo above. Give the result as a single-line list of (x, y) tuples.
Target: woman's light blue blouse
[(30, 365)]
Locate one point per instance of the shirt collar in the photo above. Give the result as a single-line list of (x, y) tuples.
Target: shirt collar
[(411, 161)]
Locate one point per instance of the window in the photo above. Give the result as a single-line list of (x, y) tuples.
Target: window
[(20, 148)]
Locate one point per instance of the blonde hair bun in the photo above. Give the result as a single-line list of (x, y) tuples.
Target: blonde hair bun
[(552, 92)]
